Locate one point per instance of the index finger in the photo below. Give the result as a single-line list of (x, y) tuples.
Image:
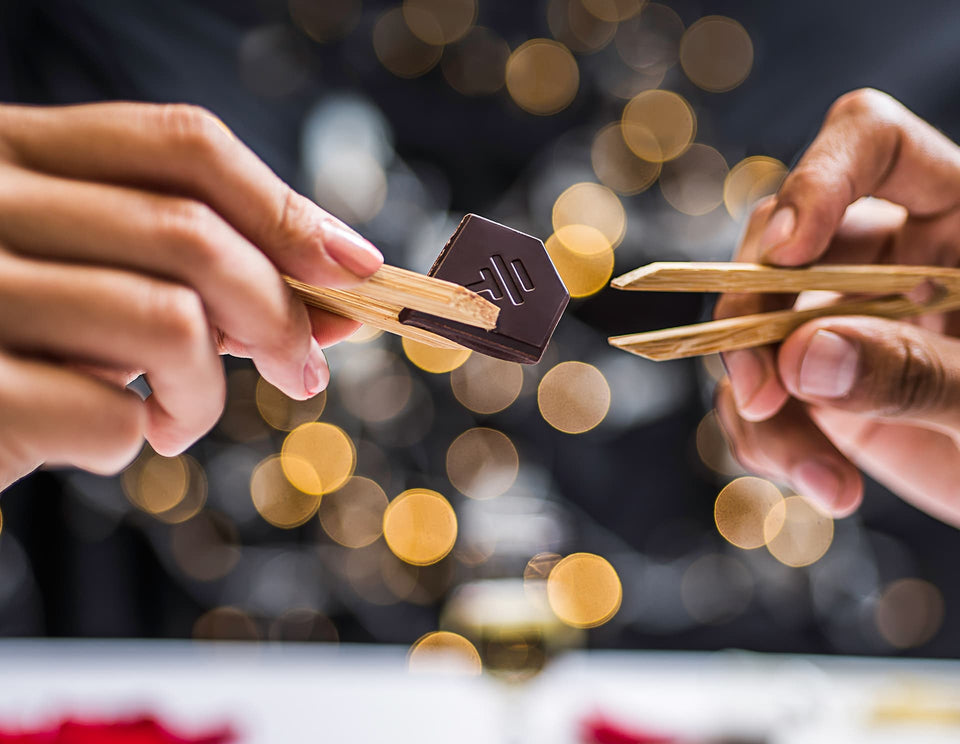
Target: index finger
[(869, 145)]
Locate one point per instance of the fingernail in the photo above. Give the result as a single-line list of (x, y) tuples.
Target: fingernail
[(779, 229), (747, 373), (818, 482), (356, 254), (316, 373), (829, 366)]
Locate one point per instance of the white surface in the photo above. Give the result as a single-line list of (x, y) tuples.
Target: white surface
[(318, 694)]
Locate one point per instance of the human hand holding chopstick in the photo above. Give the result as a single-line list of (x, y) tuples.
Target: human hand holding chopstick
[(842, 392), (139, 238)]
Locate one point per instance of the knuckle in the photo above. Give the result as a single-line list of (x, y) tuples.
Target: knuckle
[(921, 379), (189, 226), (864, 104), (191, 129), (181, 317)]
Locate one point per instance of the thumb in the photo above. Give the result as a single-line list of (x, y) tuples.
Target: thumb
[(878, 367)]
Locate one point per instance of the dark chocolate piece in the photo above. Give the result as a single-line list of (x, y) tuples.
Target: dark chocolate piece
[(512, 270)]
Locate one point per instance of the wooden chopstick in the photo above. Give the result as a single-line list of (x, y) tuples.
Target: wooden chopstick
[(378, 301)]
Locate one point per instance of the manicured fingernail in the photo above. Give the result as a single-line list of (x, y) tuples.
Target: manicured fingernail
[(779, 229), (747, 374), (356, 254), (829, 366), (818, 482), (316, 373)]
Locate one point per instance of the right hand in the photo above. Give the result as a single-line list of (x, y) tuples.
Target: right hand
[(146, 239)]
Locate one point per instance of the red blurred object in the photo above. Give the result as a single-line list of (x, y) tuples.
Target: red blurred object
[(145, 730), (597, 729)]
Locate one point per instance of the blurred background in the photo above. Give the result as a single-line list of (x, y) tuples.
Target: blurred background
[(587, 500)]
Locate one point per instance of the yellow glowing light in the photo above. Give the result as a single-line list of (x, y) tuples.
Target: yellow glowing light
[(155, 483), (398, 49), (482, 463), (693, 182), (439, 22), (613, 10), (195, 498), (226, 624), (241, 421), (420, 526), (650, 41), (592, 205), (283, 412), (716, 53), (364, 334), (431, 359), (741, 511), (205, 548), (573, 397), (486, 385), (617, 166), (539, 567), (353, 514), (796, 532), (325, 20), (542, 76), (713, 448), (574, 26), (749, 181), (658, 125), (584, 590), (442, 651), (585, 268), (909, 612), (276, 500), (318, 458), (477, 64)]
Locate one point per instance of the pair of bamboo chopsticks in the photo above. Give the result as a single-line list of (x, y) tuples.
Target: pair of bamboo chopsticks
[(378, 301), (897, 282)]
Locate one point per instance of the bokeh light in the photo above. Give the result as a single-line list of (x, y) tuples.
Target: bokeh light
[(477, 64), (155, 483), (420, 526), (650, 40), (439, 22), (431, 359), (617, 166), (542, 76), (583, 258), (796, 532), (283, 412), (442, 651), (714, 449), (365, 334), (539, 567), (749, 181), (353, 514), (400, 50), (225, 624), (318, 457), (741, 511), (327, 20), (241, 421), (584, 590), (375, 386), (909, 612), (482, 463), (576, 28), (206, 548), (716, 53), (658, 125), (592, 205), (276, 499), (693, 182), (573, 397), (486, 385), (613, 11)]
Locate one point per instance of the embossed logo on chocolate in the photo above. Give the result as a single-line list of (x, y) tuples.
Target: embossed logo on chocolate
[(511, 269)]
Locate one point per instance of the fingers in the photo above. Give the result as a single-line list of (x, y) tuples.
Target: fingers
[(51, 414), (122, 320), (878, 367), (190, 151), (869, 145), (177, 238), (789, 447)]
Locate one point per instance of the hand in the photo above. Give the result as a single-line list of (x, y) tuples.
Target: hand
[(137, 239), (843, 392)]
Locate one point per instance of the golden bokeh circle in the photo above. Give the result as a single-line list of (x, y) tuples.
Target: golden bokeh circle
[(283, 412), (584, 590), (353, 514), (539, 567), (433, 359), (542, 76), (650, 41), (206, 547), (716, 53), (420, 526), (617, 166), (318, 457), (439, 22), (582, 257), (593, 205), (398, 49), (323, 21), (909, 612), (713, 447), (482, 463), (486, 385), (573, 397), (443, 651), (225, 624), (693, 182), (613, 11), (477, 64), (276, 499), (576, 28), (741, 510), (658, 125), (796, 532), (154, 483), (749, 181)]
